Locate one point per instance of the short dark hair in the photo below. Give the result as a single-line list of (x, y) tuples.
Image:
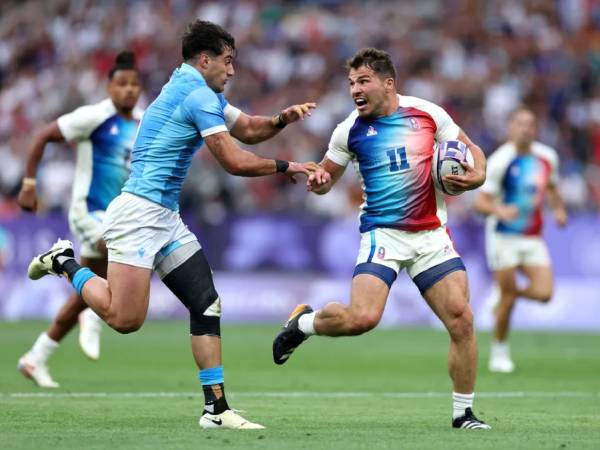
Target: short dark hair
[(124, 61), (204, 36), (378, 61)]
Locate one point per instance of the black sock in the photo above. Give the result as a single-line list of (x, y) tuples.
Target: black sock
[(70, 267), (214, 398)]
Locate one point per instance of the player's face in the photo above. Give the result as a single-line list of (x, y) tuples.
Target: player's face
[(522, 129), (124, 89), (368, 90), (219, 69)]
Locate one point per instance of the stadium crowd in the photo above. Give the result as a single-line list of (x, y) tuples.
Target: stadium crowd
[(479, 59)]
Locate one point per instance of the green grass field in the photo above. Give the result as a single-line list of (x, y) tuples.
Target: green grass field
[(387, 389)]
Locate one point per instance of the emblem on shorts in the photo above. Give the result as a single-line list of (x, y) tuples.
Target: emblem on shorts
[(381, 252), (141, 251)]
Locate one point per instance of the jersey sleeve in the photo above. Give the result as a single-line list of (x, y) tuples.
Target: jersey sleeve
[(338, 151), (494, 175), (446, 129), (205, 111), (79, 124), (554, 163)]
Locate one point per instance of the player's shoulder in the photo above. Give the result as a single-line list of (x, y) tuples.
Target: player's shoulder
[(203, 96), (342, 130), (100, 110), (408, 101), (544, 151), (504, 153)]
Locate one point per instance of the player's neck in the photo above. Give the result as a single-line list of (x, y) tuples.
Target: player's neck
[(391, 106), (125, 113), (523, 149)]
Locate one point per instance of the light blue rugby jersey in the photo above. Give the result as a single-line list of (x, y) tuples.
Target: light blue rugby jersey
[(104, 142), (172, 130)]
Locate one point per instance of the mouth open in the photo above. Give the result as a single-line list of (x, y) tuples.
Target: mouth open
[(360, 103)]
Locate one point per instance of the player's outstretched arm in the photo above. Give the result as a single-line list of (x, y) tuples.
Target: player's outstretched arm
[(240, 162), (27, 197), (322, 183), (474, 176), (255, 129)]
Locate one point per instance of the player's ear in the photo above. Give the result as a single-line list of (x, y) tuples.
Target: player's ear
[(203, 60), (390, 84)]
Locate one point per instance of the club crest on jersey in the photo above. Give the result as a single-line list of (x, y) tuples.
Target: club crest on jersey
[(381, 252), (414, 123), (371, 131)]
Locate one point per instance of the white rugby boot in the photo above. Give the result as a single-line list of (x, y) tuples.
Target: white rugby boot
[(500, 359), (46, 263), (227, 419), (36, 371)]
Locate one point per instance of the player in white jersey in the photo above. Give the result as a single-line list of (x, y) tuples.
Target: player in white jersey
[(104, 133), (143, 229), (390, 138), (521, 173)]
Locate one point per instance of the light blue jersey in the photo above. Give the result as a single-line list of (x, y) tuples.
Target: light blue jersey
[(104, 142), (172, 130)]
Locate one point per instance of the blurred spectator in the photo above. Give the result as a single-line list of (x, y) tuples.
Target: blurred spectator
[(479, 59)]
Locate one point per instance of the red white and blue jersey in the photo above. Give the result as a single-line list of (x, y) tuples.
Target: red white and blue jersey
[(104, 142), (521, 180), (393, 156)]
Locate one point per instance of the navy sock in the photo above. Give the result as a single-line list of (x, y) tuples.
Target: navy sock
[(70, 267), (212, 381)]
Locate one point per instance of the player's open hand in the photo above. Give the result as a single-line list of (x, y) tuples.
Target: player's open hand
[(318, 179), (506, 213), (297, 112), (27, 199), (296, 168), (472, 179)]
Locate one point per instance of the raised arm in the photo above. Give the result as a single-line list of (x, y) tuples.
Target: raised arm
[(27, 197), (240, 162), (255, 129)]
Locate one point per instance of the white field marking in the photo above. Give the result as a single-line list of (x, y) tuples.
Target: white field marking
[(309, 394)]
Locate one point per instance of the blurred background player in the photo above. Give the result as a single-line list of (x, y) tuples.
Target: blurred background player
[(390, 138), (104, 133), (520, 174), (143, 229)]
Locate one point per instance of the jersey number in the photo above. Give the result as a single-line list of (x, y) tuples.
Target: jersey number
[(394, 154)]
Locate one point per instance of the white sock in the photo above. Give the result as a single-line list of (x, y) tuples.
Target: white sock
[(500, 348), (460, 403), (43, 348), (306, 323)]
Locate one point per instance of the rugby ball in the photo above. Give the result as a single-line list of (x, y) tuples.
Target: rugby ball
[(447, 157)]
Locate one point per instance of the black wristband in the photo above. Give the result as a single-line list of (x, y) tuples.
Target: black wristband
[(282, 166), (279, 122)]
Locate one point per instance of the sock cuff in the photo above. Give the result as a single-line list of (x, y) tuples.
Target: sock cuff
[(81, 277), (213, 375), (47, 340), (306, 323), (465, 397)]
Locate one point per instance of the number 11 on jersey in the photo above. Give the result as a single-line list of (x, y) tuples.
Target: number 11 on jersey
[(394, 154)]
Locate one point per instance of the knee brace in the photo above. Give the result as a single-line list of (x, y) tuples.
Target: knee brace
[(185, 271)]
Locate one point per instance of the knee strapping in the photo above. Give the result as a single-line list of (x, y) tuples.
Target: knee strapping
[(190, 279)]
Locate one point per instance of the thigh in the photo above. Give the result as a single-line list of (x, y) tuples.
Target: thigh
[(538, 275), (369, 295), (449, 297), (130, 290)]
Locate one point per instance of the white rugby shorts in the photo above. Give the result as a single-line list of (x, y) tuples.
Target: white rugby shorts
[(139, 232), (506, 251), (87, 228), (415, 251)]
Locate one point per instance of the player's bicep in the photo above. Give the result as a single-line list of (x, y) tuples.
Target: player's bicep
[(222, 147)]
